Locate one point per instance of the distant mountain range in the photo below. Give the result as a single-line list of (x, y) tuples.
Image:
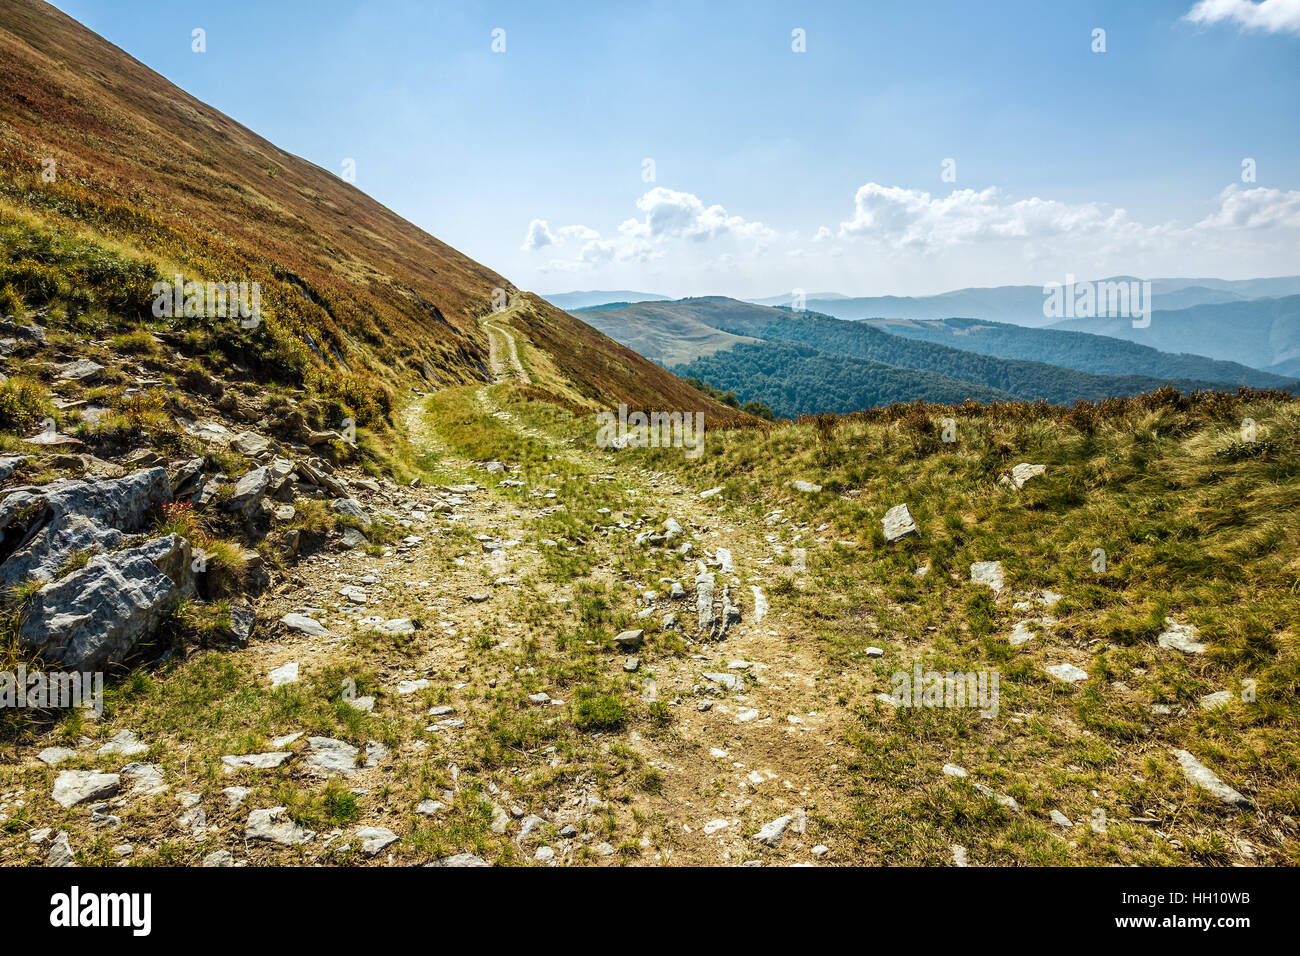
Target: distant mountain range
[(1262, 333), (1023, 304), (1086, 352), (586, 300), (751, 349)]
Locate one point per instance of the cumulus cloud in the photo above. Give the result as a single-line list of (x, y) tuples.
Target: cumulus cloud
[(668, 219), (1270, 16), (538, 236), (1258, 208), (908, 218), (670, 214)]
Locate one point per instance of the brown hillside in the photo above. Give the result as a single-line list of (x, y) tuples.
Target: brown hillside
[(356, 299)]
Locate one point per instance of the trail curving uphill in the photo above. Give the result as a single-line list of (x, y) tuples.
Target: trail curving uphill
[(503, 354)]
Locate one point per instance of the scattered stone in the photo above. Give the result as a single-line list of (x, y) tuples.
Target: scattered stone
[(376, 753), (275, 826), (460, 859), (60, 852), (375, 839), (1021, 634), (305, 624), (331, 758), (72, 787), (1067, 672), (429, 808), (219, 858), (1180, 637), (898, 523), (235, 796), (351, 508), (97, 615), (631, 664), (771, 833), (630, 640), (55, 755), (124, 743), (354, 594), (989, 573), (1060, 819), (805, 486), (266, 761), (729, 681), (1022, 473), (1216, 700), (146, 779), (704, 585), (284, 674), (1205, 778)]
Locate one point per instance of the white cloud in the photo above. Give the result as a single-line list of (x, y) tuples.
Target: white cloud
[(1271, 16), (538, 236), (668, 219), (672, 214), (908, 218), (1258, 208), (901, 239)]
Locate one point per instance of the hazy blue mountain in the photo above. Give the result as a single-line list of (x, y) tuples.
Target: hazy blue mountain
[(1086, 352), (1261, 333), (568, 301), (1023, 304)]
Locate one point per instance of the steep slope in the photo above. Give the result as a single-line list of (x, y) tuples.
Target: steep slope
[(1261, 333), (355, 300), (1086, 352)]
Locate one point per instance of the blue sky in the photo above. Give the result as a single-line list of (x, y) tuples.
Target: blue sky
[(776, 169)]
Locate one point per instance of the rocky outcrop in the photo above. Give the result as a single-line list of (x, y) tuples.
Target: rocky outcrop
[(41, 528), (98, 614)]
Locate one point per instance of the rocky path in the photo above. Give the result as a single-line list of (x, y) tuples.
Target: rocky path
[(417, 660)]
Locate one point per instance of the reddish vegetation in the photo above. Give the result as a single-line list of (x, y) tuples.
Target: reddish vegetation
[(358, 298)]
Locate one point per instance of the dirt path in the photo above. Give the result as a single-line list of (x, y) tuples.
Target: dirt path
[(731, 760), (503, 354)]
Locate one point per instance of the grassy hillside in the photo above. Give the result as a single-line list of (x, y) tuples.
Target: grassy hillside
[(1098, 354), (149, 182), (662, 332), (1196, 525)]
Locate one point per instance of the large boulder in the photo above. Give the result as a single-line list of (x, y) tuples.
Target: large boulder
[(259, 483), (42, 527), (99, 613)]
